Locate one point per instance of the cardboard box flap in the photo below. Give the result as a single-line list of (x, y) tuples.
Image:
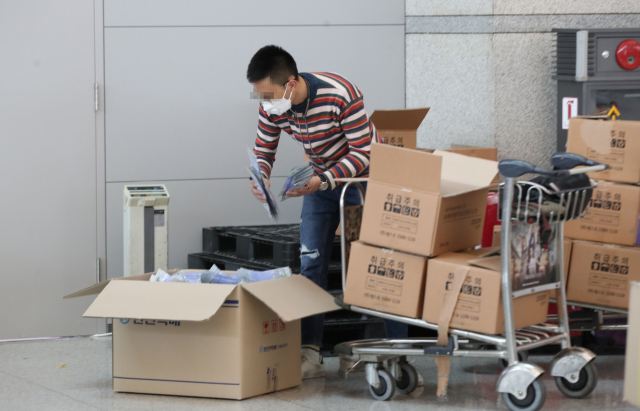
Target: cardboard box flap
[(485, 252), (477, 152), (293, 297), (409, 168), (97, 288), (398, 119), (94, 289), (159, 301), (490, 263), (467, 171)]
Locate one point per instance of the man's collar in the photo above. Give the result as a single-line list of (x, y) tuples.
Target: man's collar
[(312, 91)]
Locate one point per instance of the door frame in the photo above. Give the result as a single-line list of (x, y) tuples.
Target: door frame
[(101, 183)]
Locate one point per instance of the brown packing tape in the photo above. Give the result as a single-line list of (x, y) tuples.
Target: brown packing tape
[(450, 304), (444, 363), (444, 366)]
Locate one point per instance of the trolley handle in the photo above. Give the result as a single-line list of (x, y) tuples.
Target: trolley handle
[(563, 163), (567, 161)]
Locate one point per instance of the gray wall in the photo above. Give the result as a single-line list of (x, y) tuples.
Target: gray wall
[(484, 66), (177, 107), (47, 167)]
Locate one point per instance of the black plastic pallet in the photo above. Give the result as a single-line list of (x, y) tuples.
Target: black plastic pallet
[(234, 261), (278, 245), (204, 261)]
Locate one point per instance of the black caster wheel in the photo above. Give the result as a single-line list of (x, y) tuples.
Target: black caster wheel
[(386, 389), (523, 356), (408, 381), (536, 395), (587, 381)]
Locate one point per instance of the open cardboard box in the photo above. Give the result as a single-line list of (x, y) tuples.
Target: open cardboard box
[(487, 153), (399, 127), (206, 340), (423, 203)]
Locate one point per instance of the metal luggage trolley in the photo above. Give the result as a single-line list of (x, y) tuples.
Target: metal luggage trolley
[(386, 366), (593, 318)]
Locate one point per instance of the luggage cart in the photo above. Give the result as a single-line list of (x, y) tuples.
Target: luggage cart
[(593, 317), (386, 366)]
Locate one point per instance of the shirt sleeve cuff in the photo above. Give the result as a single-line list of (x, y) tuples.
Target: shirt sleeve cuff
[(332, 183)]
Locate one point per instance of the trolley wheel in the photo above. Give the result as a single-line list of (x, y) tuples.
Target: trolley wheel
[(523, 356), (408, 381), (587, 381), (387, 387), (536, 395)]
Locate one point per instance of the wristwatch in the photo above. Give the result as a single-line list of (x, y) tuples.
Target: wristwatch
[(324, 182)]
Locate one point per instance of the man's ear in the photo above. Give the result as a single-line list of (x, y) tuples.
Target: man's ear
[(291, 84)]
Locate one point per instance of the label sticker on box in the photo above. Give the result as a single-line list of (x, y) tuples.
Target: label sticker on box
[(387, 287)]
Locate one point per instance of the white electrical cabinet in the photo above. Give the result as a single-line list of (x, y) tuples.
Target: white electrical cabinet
[(146, 221)]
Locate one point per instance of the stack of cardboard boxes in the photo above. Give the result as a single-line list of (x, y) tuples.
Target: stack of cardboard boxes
[(422, 209), (605, 258)]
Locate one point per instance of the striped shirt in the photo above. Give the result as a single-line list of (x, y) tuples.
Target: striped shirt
[(339, 131)]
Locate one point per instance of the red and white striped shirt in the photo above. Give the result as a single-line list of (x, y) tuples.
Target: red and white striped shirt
[(339, 131)]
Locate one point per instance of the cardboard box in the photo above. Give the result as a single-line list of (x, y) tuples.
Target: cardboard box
[(612, 217), (385, 280), (600, 274), (399, 127), (487, 153), (479, 307), (471, 151), (206, 340), (632, 357), (616, 143), (423, 203)]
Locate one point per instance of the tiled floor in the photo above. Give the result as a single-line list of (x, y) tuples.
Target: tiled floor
[(31, 379)]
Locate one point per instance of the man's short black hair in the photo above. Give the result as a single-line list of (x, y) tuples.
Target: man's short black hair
[(272, 62)]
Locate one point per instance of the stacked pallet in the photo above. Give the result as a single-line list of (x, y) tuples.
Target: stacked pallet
[(266, 247)]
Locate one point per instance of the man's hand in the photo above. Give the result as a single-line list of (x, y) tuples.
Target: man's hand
[(311, 187), (256, 191)]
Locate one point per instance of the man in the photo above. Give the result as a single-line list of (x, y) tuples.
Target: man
[(325, 114)]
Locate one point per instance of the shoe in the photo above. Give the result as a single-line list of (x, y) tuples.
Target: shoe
[(420, 381), (312, 364)]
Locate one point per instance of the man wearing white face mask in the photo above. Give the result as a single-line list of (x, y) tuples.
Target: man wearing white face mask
[(325, 114)]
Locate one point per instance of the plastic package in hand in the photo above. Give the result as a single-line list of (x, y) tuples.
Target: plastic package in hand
[(271, 205), (298, 177)]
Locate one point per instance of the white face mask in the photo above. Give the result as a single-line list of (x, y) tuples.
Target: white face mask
[(280, 106)]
